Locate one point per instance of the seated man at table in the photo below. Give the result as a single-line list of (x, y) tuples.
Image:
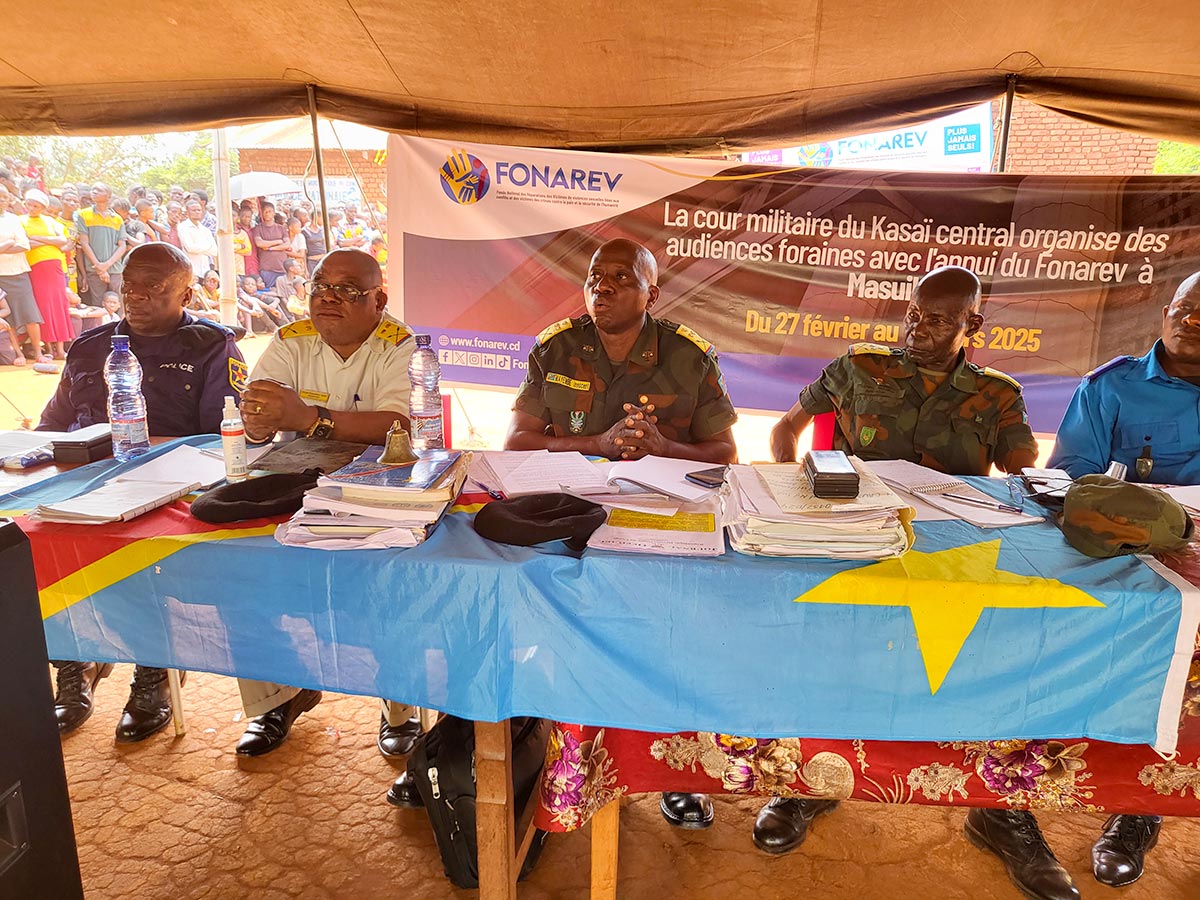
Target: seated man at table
[(1140, 411), (189, 366), (621, 384), (925, 403), (353, 356)]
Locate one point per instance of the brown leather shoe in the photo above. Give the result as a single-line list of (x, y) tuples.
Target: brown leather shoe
[(148, 709), (1014, 836), (782, 824), (266, 732), (1120, 855), (398, 740), (74, 684), (687, 810)]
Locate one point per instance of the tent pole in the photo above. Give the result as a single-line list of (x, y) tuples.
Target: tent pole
[(1009, 95), (225, 262), (312, 114)]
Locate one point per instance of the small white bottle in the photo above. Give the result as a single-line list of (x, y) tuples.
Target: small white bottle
[(233, 442)]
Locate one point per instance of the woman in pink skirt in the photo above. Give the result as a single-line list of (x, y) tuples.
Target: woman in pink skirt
[(48, 271)]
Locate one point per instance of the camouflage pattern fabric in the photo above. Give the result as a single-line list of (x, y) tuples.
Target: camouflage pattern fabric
[(1105, 517), (975, 417), (572, 385)]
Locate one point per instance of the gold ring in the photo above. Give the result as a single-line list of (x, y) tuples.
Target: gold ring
[(257, 408)]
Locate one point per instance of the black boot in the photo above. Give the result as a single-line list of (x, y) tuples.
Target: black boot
[(398, 740), (75, 682), (1120, 854), (687, 810), (782, 824), (1014, 836), (149, 707)]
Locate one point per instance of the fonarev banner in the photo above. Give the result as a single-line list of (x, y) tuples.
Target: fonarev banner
[(783, 268)]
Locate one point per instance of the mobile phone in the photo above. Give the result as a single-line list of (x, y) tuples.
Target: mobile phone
[(709, 478)]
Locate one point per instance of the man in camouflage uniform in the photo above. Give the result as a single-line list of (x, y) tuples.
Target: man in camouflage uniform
[(927, 404), (1140, 411), (621, 384)]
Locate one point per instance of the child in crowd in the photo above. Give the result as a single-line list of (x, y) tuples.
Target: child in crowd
[(112, 308), (10, 355)]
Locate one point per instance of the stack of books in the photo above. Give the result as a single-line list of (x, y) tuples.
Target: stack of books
[(774, 512), (367, 504)]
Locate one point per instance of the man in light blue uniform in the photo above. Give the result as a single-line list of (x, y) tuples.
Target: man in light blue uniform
[(1143, 411)]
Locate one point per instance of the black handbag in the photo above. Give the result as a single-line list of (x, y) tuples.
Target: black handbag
[(442, 767)]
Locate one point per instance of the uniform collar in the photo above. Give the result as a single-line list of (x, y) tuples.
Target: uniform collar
[(962, 377), (645, 349), (1152, 368)]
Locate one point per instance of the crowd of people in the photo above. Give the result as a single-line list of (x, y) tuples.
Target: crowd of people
[(63, 253)]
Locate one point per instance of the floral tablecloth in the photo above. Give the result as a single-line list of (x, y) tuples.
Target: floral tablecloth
[(587, 767)]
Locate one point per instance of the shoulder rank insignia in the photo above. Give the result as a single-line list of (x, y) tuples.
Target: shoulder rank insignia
[(299, 328), (878, 349), (238, 373), (551, 331), (996, 373), (1111, 364), (392, 332), (684, 332)]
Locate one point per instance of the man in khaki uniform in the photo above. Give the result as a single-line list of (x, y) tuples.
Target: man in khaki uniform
[(342, 374)]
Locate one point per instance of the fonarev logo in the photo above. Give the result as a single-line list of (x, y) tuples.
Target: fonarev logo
[(464, 177)]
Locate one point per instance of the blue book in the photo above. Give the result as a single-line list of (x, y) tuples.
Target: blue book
[(432, 477)]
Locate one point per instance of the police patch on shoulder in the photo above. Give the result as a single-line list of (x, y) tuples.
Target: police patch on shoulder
[(996, 373), (1111, 364), (684, 332), (878, 349), (552, 330), (392, 332), (238, 373), (299, 328)]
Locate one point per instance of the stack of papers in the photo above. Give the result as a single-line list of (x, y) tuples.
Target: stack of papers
[(366, 505), (775, 513), (949, 494), (690, 529), (516, 473)]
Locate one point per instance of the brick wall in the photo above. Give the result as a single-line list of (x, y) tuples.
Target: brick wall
[(298, 163), (1042, 141)]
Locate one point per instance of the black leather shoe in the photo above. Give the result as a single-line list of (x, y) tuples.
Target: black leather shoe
[(74, 684), (687, 810), (1120, 854), (782, 824), (266, 732), (1014, 836), (398, 740), (148, 709), (404, 794)]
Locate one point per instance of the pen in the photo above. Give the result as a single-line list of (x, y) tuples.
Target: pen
[(491, 492), (991, 504)]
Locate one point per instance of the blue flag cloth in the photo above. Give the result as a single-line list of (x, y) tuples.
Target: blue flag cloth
[(973, 635)]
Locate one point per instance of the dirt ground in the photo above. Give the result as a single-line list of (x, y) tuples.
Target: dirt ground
[(186, 818)]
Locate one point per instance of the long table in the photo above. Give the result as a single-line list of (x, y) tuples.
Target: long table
[(618, 641)]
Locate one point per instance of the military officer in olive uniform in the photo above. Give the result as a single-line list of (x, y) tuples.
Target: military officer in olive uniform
[(925, 403), (619, 383)]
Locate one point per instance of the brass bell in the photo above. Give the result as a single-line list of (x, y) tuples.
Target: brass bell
[(398, 450)]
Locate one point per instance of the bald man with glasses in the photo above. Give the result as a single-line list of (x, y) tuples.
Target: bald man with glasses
[(340, 374)]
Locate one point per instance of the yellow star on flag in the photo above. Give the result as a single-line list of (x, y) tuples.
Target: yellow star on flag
[(946, 592)]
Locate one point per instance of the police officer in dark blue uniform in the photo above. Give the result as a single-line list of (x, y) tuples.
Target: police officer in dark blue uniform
[(189, 366)]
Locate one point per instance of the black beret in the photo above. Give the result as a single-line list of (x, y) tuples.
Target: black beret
[(255, 498), (540, 517)]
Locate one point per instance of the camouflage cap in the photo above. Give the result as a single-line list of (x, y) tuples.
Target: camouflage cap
[(1105, 517)]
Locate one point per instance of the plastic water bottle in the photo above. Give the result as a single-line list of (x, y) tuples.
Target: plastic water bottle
[(233, 442), (425, 401), (126, 405)]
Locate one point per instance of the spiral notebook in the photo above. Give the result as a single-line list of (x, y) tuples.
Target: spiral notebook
[(950, 494)]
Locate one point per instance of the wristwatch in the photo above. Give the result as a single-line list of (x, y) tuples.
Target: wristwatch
[(323, 427)]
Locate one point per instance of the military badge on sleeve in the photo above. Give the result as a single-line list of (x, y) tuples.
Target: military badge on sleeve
[(238, 373), (577, 422), (866, 434)]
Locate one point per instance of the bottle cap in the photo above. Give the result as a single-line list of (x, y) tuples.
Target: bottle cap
[(423, 340), (120, 341), (231, 410)]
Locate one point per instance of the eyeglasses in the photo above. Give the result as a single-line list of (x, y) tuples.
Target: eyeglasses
[(343, 293)]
